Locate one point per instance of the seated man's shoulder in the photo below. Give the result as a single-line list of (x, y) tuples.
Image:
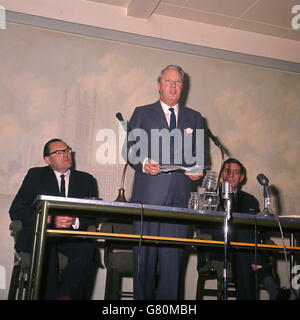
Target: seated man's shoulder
[(246, 194), (82, 174), (38, 170), (249, 199)]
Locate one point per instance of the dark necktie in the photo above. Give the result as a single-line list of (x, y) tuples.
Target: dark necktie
[(172, 119), (62, 186)]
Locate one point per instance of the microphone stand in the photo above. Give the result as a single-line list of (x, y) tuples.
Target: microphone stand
[(227, 196), (221, 148), (121, 195), (267, 201), (264, 181)]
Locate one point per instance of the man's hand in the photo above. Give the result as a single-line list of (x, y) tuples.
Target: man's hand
[(64, 221), (152, 167), (194, 176)]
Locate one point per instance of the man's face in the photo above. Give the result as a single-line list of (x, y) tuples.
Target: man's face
[(232, 174), (170, 87), (59, 162)]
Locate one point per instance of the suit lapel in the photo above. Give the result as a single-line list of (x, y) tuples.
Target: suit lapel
[(181, 122), (72, 183), (159, 116), (75, 184), (51, 184)]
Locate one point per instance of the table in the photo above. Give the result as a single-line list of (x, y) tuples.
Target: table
[(132, 211)]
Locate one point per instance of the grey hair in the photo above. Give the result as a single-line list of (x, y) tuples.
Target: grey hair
[(171, 66)]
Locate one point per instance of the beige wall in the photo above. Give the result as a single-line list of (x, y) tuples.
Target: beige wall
[(54, 84)]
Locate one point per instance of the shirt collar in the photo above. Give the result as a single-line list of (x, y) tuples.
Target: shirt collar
[(166, 107), (58, 174)]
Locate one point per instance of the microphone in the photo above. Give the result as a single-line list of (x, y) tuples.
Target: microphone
[(226, 190), (121, 195), (122, 121), (264, 181), (119, 116), (227, 196)]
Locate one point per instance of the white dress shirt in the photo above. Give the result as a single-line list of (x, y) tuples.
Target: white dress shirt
[(167, 113), (67, 179)]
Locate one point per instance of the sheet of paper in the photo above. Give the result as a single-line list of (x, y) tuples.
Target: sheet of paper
[(174, 167)]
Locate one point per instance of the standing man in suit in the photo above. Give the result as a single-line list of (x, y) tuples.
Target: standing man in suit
[(57, 179), (152, 186)]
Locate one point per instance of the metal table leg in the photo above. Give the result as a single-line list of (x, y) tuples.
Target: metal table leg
[(38, 252)]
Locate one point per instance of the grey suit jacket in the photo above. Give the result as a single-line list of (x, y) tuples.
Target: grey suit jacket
[(155, 189)]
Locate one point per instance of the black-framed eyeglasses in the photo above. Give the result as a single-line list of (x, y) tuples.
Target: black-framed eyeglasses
[(61, 152)]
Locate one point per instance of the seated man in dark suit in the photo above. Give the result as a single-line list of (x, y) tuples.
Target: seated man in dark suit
[(245, 263), (57, 179)]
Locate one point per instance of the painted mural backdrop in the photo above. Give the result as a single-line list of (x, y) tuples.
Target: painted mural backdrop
[(60, 85)]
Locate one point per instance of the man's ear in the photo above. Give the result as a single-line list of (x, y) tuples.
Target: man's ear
[(47, 160), (242, 177), (158, 86)]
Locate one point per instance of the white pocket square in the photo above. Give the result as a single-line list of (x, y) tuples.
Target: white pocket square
[(189, 130)]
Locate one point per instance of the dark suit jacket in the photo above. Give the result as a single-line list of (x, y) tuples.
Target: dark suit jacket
[(42, 181), (155, 189), (244, 203)]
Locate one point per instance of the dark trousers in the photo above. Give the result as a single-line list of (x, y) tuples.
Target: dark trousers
[(169, 261), (74, 278), (241, 260), (244, 276), (147, 259)]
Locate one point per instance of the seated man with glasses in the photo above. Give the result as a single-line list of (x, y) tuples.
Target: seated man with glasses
[(57, 179)]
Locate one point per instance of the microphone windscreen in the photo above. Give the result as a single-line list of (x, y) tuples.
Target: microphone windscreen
[(119, 116), (226, 189), (262, 179)]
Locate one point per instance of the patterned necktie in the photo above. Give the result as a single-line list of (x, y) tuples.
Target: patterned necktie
[(172, 119), (62, 186)]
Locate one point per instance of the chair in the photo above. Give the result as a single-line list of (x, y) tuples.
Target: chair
[(20, 275), (213, 270), (118, 260)]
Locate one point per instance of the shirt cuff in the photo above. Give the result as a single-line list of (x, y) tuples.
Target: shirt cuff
[(76, 224), (144, 162)]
